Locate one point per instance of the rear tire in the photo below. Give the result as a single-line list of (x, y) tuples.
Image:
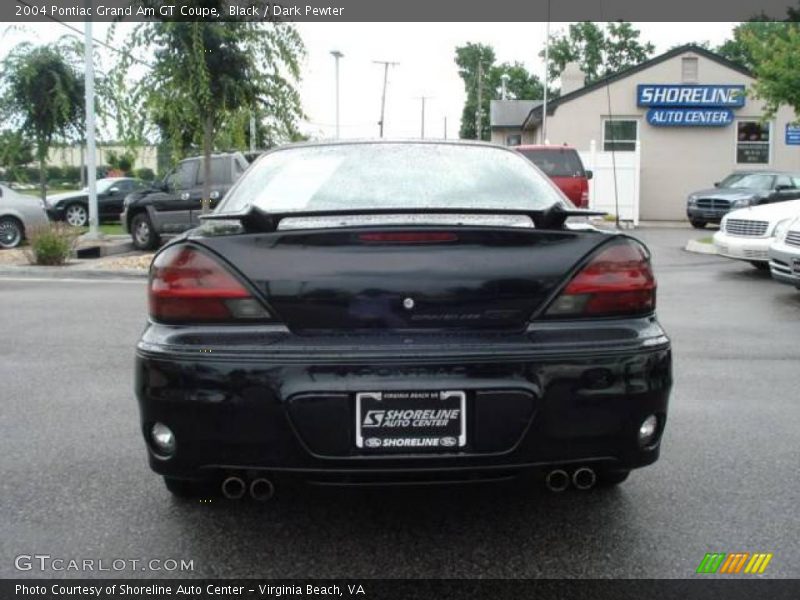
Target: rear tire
[(698, 224), (761, 266), (11, 232), (187, 488), (612, 477), (142, 233)]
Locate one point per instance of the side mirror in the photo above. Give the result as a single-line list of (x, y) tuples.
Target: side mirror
[(589, 174)]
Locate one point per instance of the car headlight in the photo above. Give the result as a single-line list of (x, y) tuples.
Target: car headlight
[(722, 224), (692, 200), (742, 202), (781, 228)]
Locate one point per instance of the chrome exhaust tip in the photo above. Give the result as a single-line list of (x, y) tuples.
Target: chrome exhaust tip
[(557, 480), (233, 488), (261, 489), (584, 478)]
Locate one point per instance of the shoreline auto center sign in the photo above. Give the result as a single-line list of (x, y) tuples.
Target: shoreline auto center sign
[(690, 105)]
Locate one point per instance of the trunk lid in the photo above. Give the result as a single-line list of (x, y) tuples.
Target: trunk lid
[(406, 278)]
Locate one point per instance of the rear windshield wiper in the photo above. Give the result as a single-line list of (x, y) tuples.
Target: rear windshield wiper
[(256, 219)]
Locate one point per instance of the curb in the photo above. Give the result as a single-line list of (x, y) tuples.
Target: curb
[(56, 273), (700, 248)]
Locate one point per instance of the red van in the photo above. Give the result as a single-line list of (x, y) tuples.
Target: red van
[(563, 165)]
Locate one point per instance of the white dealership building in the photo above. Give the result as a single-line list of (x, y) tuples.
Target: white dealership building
[(655, 132)]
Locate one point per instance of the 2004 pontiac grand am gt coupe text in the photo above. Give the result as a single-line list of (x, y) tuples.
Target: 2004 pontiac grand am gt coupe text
[(399, 312)]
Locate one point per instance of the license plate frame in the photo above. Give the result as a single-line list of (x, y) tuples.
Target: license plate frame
[(432, 426)]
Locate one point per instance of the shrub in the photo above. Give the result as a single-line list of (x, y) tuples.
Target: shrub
[(54, 172), (145, 174), (51, 245), (72, 174)]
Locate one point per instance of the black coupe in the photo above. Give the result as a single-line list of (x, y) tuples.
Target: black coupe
[(363, 313)]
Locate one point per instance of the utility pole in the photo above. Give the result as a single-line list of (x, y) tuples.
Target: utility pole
[(337, 55), (445, 128), (546, 74), (386, 64), (478, 112), (422, 120), (91, 159)]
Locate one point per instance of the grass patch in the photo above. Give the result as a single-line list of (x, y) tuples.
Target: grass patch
[(106, 228), (706, 240)]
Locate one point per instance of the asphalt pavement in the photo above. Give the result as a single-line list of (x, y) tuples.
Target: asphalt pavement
[(75, 483)]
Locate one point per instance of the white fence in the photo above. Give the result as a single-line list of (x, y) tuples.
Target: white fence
[(621, 198)]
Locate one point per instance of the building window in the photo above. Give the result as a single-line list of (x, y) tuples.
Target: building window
[(620, 135), (752, 142), (514, 140), (689, 70)]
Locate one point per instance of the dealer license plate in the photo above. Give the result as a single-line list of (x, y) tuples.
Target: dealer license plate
[(411, 421)]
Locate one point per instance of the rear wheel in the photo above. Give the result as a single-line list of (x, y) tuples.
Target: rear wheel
[(76, 215), (142, 232), (187, 488), (612, 477), (761, 266), (11, 232), (698, 224)]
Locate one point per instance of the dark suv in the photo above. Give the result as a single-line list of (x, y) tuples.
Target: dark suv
[(174, 205)]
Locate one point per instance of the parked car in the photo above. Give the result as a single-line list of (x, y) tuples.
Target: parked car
[(562, 164), (383, 312), (73, 207), (740, 189), (18, 214), (175, 204), (784, 253), (747, 233)]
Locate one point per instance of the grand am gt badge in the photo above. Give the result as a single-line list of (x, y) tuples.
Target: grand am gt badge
[(408, 303)]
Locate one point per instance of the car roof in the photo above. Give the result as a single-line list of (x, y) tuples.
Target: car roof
[(543, 147)]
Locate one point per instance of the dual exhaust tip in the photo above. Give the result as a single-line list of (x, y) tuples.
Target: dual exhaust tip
[(559, 480), (235, 488)]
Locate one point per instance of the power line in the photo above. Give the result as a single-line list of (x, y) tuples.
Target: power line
[(95, 40)]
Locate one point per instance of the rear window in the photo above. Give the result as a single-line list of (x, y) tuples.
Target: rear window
[(391, 175), (556, 162)]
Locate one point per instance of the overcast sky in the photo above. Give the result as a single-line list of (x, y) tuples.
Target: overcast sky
[(425, 53)]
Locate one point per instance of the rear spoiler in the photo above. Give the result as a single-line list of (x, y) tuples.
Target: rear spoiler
[(256, 219)]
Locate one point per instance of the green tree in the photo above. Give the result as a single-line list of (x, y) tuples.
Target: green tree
[(522, 85), (15, 152), (205, 73), (598, 51), (42, 96), (776, 66)]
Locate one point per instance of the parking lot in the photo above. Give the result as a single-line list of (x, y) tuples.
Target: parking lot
[(76, 484)]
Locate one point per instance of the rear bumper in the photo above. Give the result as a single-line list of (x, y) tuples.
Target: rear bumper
[(530, 406), (753, 249), (784, 263)]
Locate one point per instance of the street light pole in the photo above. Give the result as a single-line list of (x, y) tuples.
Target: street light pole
[(337, 55), (91, 159), (422, 121)]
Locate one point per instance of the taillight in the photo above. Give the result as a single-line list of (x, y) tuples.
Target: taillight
[(584, 194), (617, 281), (189, 286)]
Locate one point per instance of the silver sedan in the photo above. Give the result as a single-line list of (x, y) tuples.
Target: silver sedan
[(18, 214)]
